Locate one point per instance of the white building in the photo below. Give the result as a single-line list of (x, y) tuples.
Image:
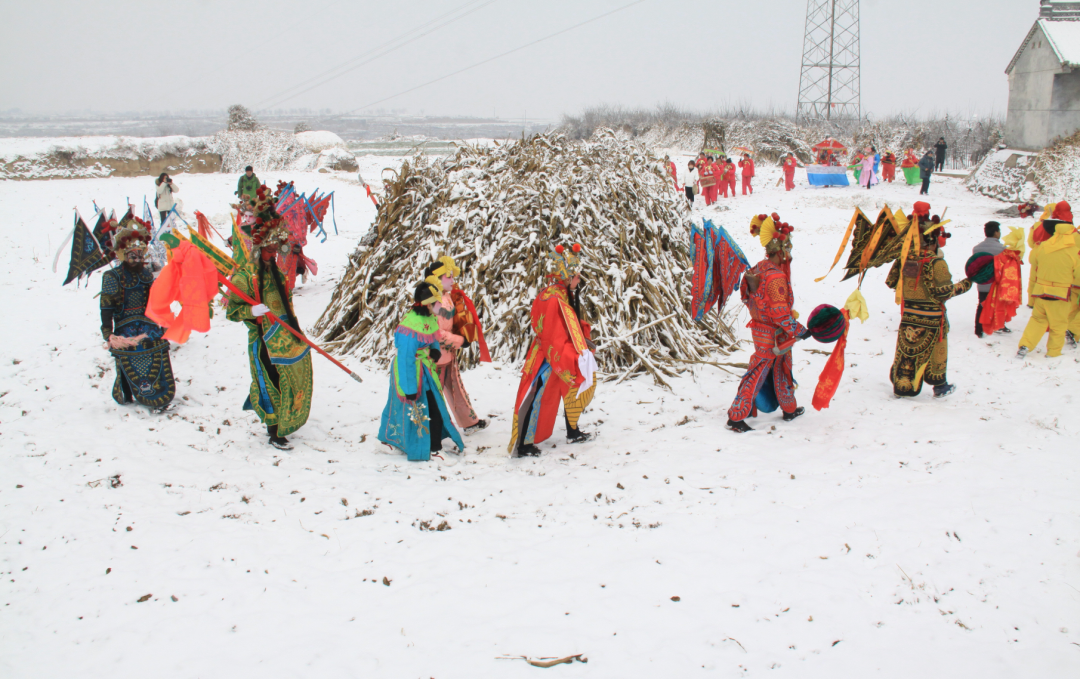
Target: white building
[(1044, 79)]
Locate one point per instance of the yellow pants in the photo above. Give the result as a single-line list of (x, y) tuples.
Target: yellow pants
[(1074, 313), (1052, 315)]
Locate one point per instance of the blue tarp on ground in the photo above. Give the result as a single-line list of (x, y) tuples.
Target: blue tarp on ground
[(827, 175)]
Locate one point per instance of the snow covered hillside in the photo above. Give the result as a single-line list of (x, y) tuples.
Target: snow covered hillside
[(883, 537)]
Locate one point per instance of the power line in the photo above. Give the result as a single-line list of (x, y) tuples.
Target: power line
[(497, 56), (248, 49), (374, 53)]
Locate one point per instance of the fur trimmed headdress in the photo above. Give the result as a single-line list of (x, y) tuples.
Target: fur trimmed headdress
[(132, 237)]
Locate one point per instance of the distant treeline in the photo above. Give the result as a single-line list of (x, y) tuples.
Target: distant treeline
[(772, 133)]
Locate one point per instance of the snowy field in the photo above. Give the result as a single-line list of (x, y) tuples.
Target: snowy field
[(880, 537)]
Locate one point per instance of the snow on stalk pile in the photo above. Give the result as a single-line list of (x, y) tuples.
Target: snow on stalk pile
[(1050, 175), (1057, 170), (497, 211)]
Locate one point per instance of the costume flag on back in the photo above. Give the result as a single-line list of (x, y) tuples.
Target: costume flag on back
[(85, 250), (719, 264)]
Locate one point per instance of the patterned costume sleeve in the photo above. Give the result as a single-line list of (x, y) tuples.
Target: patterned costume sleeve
[(893, 279), (405, 366), (778, 309), (554, 339), (111, 299), (239, 310), (940, 284)]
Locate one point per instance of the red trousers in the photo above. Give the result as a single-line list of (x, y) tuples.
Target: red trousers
[(731, 185), (888, 172), (789, 180), (710, 194), (746, 184)]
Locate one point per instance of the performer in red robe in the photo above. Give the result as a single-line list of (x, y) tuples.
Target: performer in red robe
[(559, 365), (888, 166), (766, 291), (747, 165), (709, 175), (670, 165), (729, 176), (789, 171)]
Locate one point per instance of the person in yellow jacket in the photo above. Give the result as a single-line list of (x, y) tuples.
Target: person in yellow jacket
[(1055, 269)]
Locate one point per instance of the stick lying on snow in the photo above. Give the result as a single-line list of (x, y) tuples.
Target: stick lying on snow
[(546, 663)]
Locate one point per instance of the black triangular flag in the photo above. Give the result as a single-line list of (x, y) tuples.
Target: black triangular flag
[(85, 250)]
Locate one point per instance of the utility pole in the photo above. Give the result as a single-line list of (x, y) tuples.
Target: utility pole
[(829, 82)]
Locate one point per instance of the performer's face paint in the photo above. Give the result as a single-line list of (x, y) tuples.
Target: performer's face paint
[(447, 282), (575, 281)]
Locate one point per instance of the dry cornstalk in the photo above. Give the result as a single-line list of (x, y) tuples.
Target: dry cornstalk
[(497, 210)]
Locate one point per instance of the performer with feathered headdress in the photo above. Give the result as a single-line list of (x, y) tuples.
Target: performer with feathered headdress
[(923, 284), (143, 369), (281, 376), (766, 291), (415, 419), (559, 365)]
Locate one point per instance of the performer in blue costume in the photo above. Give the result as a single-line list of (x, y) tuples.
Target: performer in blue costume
[(416, 419), (143, 369)]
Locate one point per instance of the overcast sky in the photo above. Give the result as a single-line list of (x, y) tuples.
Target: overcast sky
[(921, 56)]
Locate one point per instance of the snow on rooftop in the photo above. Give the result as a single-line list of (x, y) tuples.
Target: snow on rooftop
[(1064, 37)]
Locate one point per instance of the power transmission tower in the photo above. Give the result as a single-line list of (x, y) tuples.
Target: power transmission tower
[(829, 83)]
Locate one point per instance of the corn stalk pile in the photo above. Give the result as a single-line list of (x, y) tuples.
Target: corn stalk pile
[(497, 211)]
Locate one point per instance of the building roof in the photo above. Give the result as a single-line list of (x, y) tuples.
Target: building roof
[(1064, 39)]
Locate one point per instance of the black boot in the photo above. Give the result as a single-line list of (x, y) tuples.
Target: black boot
[(279, 442), (482, 424), (788, 417), (528, 450), (943, 390), (575, 435), (739, 427)]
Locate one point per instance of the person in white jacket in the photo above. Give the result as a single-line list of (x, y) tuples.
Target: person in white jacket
[(689, 179), (165, 191)]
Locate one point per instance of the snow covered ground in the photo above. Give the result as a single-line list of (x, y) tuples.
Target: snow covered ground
[(880, 537)]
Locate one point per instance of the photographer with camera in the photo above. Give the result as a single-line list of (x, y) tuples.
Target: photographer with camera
[(165, 191)]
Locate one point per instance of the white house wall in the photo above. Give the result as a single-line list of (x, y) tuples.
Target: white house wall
[(1034, 118)]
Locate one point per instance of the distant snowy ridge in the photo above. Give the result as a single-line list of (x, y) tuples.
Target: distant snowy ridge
[(90, 157)]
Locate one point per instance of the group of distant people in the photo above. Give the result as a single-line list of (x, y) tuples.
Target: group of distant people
[(709, 176)]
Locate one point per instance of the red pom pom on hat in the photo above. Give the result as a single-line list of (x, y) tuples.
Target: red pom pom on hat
[(559, 249), (576, 247), (922, 208)]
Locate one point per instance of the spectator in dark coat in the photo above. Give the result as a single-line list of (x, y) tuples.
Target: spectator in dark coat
[(940, 147), (926, 168)]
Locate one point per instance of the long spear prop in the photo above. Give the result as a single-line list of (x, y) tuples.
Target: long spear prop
[(228, 284)]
